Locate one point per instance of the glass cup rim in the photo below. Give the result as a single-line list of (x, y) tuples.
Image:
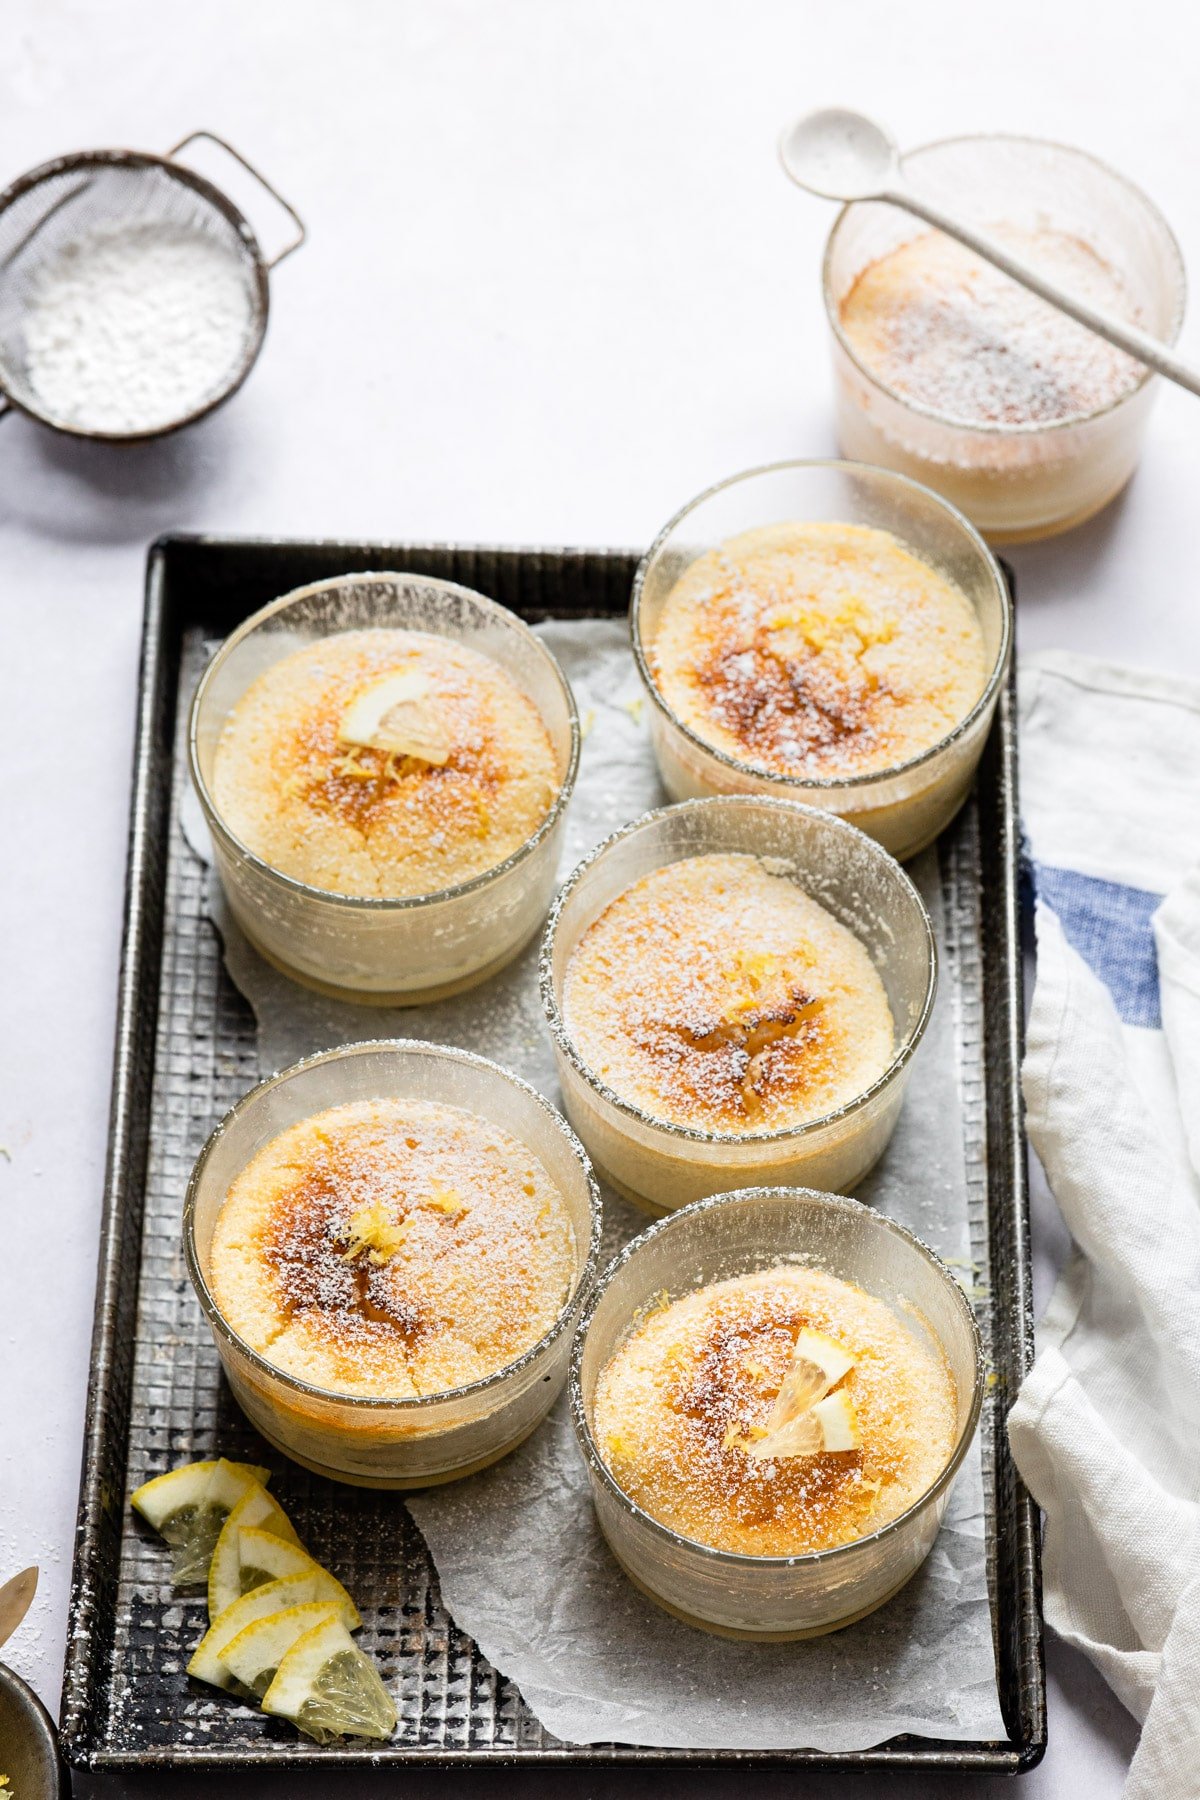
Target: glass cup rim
[(740, 1559), (691, 1134), (833, 784), (997, 428), (367, 1403), (380, 903)]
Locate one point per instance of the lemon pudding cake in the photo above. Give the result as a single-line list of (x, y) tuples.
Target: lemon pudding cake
[(384, 762), (817, 651), (716, 995), (775, 1414), (392, 1248), (939, 325)]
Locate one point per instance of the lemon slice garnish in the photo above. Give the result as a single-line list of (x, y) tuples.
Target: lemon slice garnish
[(806, 1418), (225, 1582), (264, 1557), (327, 1687), (315, 1583), (188, 1507), (397, 714), (818, 1362), (255, 1653), (830, 1425)]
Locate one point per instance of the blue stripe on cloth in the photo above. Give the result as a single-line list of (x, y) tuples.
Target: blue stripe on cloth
[(1110, 926)]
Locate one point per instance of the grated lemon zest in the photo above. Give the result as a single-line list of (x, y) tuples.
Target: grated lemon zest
[(445, 1200), (372, 1229)]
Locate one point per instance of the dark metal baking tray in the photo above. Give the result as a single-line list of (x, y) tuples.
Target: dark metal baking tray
[(185, 1050)]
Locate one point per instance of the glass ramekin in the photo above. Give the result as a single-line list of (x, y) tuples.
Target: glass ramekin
[(905, 807), (1015, 482), (388, 952), (661, 1166), (360, 1439), (774, 1597)]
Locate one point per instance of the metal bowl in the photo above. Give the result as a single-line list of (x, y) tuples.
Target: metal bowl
[(29, 1752)]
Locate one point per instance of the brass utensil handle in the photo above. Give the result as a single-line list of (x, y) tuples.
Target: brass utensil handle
[(272, 262)]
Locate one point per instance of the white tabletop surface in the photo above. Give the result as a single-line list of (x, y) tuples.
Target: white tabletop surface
[(555, 284)]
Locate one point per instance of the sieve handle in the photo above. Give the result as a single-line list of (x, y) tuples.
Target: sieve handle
[(271, 262)]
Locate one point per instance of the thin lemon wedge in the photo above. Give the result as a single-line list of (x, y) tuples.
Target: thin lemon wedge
[(189, 1505), (818, 1362), (830, 1425), (225, 1580), (255, 1653), (330, 1689), (397, 714)]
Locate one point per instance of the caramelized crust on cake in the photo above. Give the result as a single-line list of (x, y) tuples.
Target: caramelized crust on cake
[(714, 995), (392, 1247), (818, 651), (694, 1384), (353, 819)]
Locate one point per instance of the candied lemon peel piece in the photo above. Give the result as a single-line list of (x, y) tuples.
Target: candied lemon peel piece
[(397, 714), (330, 1689)]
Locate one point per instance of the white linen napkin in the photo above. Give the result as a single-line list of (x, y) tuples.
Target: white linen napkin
[(1106, 1429)]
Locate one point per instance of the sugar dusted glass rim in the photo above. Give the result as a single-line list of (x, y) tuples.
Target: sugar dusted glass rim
[(997, 428), (584, 1277), (740, 1559), (832, 784), (381, 902), (691, 1133)]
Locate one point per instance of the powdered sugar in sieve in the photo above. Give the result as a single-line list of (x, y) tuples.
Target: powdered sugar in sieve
[(133, 326)]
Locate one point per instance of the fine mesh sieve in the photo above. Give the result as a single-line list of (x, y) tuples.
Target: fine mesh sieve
[(62, 202)]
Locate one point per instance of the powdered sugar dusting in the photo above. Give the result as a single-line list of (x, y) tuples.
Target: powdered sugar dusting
[(940, 325), (674, 1407), (818, 650), (393, 1247), (716, 995)]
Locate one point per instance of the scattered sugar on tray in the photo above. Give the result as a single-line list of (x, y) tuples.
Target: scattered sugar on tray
[(718, 996), (941, 326), (694, 1381), (818, 650), (133, 326), (392, 1247)]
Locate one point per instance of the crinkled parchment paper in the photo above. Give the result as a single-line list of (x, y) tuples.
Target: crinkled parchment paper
[(523, 1568)]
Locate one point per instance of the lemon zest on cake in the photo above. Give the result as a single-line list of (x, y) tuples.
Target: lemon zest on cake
[(446, 1200), (371, 1228), (850, 625)]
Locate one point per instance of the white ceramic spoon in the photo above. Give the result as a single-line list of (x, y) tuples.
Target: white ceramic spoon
[(843, 155)]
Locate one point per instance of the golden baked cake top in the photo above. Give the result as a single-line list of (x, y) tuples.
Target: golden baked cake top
[(818, 651), (936, 323), (394, 1248), (683, 1414), (715, 995), (384, 762)]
